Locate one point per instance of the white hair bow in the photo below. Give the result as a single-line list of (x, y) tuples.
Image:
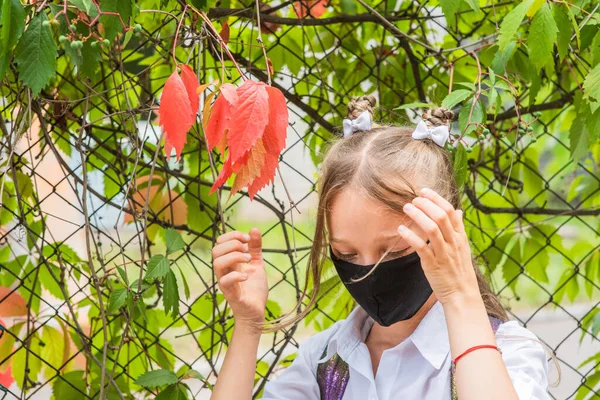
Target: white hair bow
[(439, 135), (362, 123)]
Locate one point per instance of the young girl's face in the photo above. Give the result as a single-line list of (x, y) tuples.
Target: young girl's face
[(362, 230)]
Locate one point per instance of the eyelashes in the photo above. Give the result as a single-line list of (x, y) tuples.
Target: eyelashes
[(391, 255)]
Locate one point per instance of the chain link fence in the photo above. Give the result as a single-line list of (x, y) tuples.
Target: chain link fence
[(78, 205)]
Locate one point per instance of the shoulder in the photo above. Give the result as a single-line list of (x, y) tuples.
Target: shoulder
[(526, 360), (312, 348), (512, 335)]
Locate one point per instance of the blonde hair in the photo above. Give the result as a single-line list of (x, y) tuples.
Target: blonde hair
[(384, 164)]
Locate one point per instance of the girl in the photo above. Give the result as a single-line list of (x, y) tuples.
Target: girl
[(427, 325)]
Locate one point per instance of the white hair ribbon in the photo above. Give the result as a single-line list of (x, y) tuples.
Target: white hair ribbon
[(439, 135), (361, 123)]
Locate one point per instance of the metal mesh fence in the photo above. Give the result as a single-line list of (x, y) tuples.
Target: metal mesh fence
[(75, 166)]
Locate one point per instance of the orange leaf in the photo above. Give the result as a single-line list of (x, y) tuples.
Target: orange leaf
[(276, 131), (190, 80), (159, 201), (12, 304), (313, 8), (250, 169), (267, 175), (175, 112), (225, 32), (250, 116)]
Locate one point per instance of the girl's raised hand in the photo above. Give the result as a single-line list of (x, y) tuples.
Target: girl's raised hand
[(446, 260), (239, 267)]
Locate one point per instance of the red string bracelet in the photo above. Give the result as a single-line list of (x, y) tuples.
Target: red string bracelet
[(483, 346)]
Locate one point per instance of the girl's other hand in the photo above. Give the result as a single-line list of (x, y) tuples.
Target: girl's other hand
[(446, 260), (239, 267)]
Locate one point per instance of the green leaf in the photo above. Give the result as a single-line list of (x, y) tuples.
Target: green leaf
[(596, 324), (53, 351), (595, 50), (456, 97), (563, 23), (591, 88), (173, 392), (171, 294), (476, 116), (123, 275), (348, 6), (474, 4), (537, 4), (86, 6), (460, 165), (158, 377), (199, 4), (36, 54), (13, 22), (158, 267), (535, 255), (69, 386), (449, 8), (510, 24), (112, 24), (186, 287), (193, 374), (174, 241), (117, 300), (414, 105), (542, 36)]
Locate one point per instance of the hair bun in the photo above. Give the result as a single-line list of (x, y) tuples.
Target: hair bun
[(438, 116), (360, 104)]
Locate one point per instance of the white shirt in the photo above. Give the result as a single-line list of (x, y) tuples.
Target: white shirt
[(417, 368)]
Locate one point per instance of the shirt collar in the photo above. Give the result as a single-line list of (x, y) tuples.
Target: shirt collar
[(430, 337)]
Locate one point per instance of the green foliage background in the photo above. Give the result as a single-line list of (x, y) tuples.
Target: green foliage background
[(137, 313)]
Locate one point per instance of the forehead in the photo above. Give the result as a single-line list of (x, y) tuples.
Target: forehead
[(354, 217)]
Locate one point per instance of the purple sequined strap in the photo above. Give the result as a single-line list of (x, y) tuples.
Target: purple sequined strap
[(333, 377)]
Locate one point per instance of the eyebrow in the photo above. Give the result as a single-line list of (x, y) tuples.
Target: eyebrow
[(379, 237)]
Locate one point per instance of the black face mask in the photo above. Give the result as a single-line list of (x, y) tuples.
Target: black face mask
[(394, 292)]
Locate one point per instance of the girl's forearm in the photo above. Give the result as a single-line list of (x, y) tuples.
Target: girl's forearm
[(482, 373), (236, 378)]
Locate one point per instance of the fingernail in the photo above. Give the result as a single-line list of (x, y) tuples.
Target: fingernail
[(246, 236), (409, 206), (247, 256), (402, 228), (245, 276), (425, 191)]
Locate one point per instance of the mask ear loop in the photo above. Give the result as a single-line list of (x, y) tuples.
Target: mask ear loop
[(353, 280)]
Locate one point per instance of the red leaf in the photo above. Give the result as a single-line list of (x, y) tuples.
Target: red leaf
[(250, 116), (11, 304), (225, 173), (313, 8), (225, 32), (6, 378), (230, 93), (218, 122), (267, 175), (276, 130), (175, 113), (190, 80)]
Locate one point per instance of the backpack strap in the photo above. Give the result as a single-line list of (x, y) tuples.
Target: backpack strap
[(333, 374)]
